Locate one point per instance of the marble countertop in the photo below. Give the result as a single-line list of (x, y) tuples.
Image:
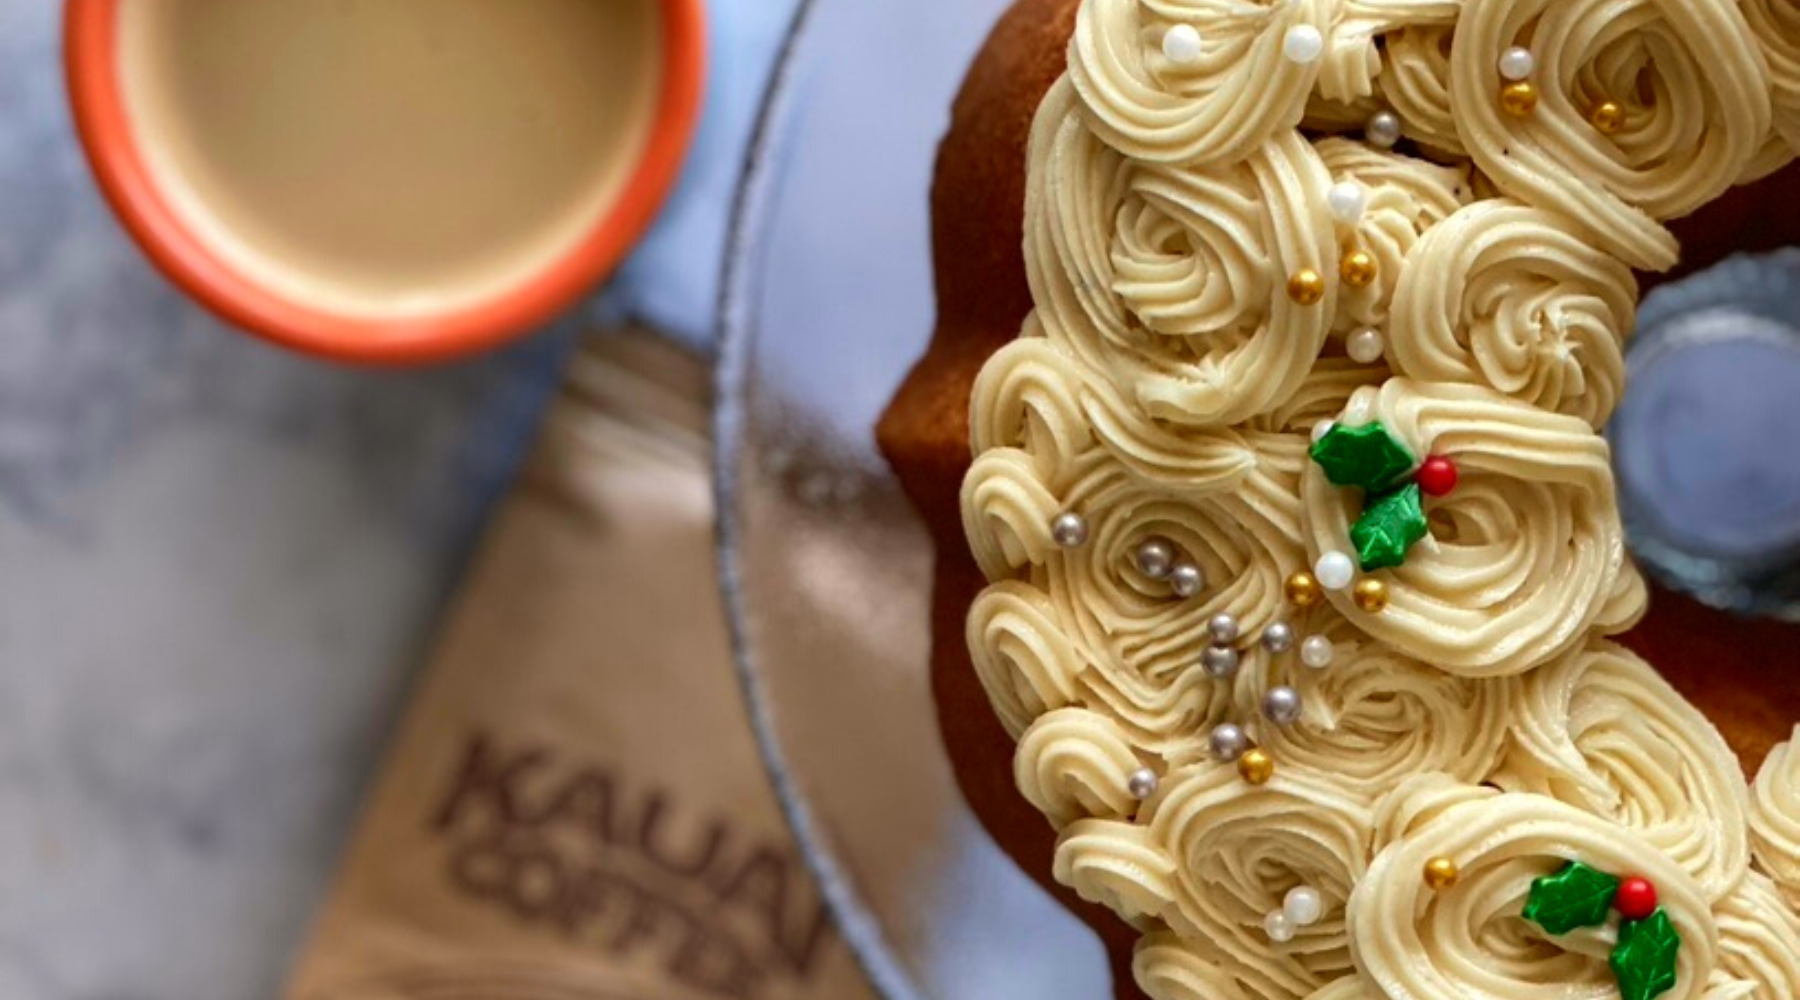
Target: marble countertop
[(219, 564)]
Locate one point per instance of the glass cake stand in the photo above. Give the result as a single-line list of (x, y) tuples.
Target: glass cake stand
[(827, 303)]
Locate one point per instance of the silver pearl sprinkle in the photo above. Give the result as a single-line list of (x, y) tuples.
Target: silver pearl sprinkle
[(1069, 530), (1224, 629), (1384, 129), (1278, 638), (1142, 784), (1220, 662), (1229, 743), (1186, 579), (1156, 559), (1282, 705)]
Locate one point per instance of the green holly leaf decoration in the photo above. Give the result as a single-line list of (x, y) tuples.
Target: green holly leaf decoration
[(1366, 456), (1574, 898), (1645, 960), (1389, 527)]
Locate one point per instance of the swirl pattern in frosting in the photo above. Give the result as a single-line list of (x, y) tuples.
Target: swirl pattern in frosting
[(1691, 81), (1472, 941), (1523, 558), (1250, 223), (1676, 782), (1220, 107), (1775, 818), (1508, 297), (1211, 858), (1170, 282)]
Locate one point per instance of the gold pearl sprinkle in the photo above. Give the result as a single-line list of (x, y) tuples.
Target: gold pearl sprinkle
[(1608, 117), (1519, 99), (1307, 287), (1359, 269), (1257, 767), (1442, 874), (1371, 595), (1303, 591)]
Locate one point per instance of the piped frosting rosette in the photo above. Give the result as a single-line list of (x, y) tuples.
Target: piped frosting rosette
[(1776, 26), (1405, 198), (1524, 557), (1212, 857), (1322, 397), (1472, 940), (1759, 944), (1688, 75), (1074, 763), (1035, 396), (1087, 626), (1510, 297), (1218, 104), (1600, 729), (1416, 84), (1353, 62), (1171, 283), (1169, 968), (1775, 818), (1375, 717)]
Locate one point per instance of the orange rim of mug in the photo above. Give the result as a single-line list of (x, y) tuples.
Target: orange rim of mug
[(90, 57)]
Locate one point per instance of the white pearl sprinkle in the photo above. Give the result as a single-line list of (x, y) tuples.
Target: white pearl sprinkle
[(1366, 346), (1304, 44), (1280, 928), (1517, 63), (1335, 571), (1384, 129), (1304, 906), (1181, 45), (1321, 429), (1142, 783), (1317, 652), (1348, 201)]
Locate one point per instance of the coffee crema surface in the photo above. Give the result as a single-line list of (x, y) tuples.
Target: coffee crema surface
[(388, 158)]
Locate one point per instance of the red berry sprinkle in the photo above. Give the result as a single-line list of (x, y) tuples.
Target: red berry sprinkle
[(1636, 900), (1437, 477)]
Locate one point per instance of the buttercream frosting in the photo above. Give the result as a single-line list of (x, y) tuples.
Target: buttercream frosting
[(1191, 216)]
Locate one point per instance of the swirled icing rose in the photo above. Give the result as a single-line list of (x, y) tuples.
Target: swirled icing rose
[(1073, 763), (1237, 850), (1222, 106), (1406, 198), (1679, 786), (1776, 26), (1412, 943), (1169, 968), (1035, 396), (1376, 717), (1170, 283), (1416, 84), (1775, 818), (1688, 73), (1106, 633), (1509, 297), (1759, 943), (1523, 559)]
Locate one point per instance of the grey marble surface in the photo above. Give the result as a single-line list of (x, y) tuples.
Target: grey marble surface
[(219, 565)]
